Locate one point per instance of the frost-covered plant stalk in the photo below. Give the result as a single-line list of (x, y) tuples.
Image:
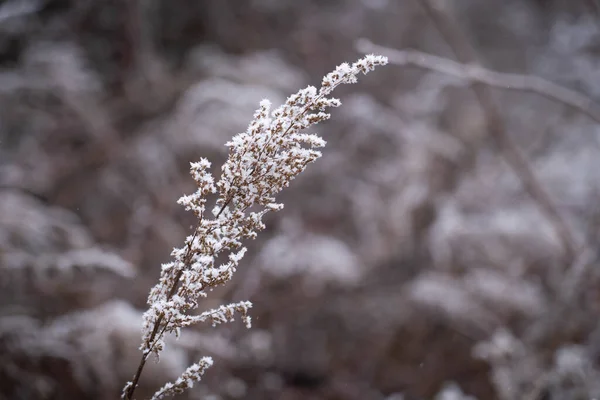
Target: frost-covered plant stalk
[(262, 161)]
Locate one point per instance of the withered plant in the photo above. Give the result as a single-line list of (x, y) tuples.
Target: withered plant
[(262, 161)]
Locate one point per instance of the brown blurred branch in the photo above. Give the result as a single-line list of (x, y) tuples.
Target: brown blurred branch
[(480, 83), (476, 73)]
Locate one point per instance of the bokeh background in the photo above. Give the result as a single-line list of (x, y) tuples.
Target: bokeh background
[(410, 262)]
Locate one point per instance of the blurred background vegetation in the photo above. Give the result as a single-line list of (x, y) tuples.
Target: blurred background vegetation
[(413, 261)]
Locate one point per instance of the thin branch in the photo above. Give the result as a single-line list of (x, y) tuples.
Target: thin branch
[(577, 275), (467, 56), (474, 72), (155, 336)]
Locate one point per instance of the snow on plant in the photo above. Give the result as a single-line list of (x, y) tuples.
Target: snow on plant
[(262, 161)]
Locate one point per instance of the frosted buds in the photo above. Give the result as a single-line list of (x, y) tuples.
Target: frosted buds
[(262, 161)]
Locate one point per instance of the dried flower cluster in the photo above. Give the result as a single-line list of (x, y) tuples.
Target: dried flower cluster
[(192, 374), (262, 161)]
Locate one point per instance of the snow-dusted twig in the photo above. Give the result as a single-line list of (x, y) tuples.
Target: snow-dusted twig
[(262, 161), (186, 380)]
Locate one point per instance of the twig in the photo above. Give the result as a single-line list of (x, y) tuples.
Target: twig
[(477, 73), (155, 336), (508, 149), (576, 275)]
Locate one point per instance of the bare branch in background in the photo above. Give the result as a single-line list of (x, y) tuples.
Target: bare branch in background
[(508, 149), (477, 73)]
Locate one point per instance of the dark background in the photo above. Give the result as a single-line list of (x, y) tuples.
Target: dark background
[(410, 262)]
